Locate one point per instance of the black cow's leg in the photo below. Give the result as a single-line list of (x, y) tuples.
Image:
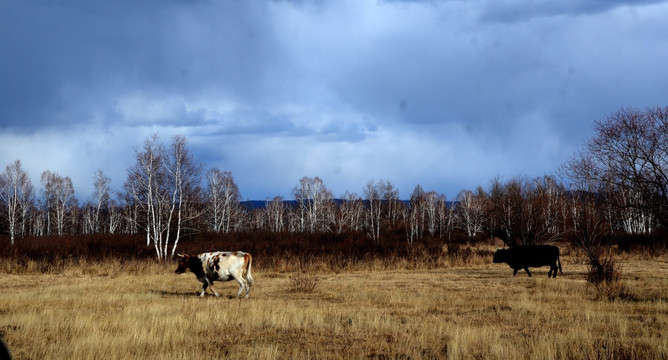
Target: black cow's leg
[(554, 269), (527, 270), (515, 272), (204, 286)]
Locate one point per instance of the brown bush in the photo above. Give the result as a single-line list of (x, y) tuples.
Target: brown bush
[(605, 275), (274, 251), (305, 283)]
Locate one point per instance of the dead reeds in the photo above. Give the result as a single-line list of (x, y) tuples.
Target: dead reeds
[(460, 312)]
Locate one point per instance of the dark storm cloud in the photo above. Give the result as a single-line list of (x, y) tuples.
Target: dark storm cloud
[(80, 56), (448, 94)]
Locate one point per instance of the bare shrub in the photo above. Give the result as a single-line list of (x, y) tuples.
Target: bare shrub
[(304, 283), (605, 275), (604, 270)]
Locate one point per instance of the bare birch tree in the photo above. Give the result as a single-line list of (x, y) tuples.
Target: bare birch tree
[(414, 215), (313, 199), (162, 183), (147, 185), (471, 211), (446, 217), (115, 217), (275, 212), (351, 211), (101, 199), (129, 211), (16, 195), (391, 204), (373, 193), (223, 200), (432, 200), (59, 200), (183, 174)]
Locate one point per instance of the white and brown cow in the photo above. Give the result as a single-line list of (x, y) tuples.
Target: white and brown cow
[(219, 266)]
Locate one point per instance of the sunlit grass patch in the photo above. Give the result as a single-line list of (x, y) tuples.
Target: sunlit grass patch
[(145, 311)]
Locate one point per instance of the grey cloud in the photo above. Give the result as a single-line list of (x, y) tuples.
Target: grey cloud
[(84, 56), (517, 10), (477, 88)]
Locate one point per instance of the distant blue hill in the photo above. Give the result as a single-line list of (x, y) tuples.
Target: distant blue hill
[(259, 204)]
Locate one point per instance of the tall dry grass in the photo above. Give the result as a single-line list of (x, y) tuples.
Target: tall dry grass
[(140, 309)]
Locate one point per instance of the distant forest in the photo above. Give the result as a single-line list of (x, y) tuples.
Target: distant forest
[(617, 184)]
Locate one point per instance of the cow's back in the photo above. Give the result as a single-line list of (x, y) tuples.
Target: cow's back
[(219, 265), (536, 255)]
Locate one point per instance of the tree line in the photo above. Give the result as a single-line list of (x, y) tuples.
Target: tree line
[(617, 183)]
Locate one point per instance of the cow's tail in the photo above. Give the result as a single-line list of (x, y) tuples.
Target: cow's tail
[(559, 263), (248, 262)]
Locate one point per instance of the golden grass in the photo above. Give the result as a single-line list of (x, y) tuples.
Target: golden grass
[(142, 310)]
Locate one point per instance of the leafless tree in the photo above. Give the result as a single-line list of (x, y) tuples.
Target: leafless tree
[(16, 195), (115, 217), (87, 218), (471, 210), (183, 172), (524, 212), (161, 184), (351, 212), (629, 154), (59, 200), (373, 192), (588, 228), (294, 219), (223, 200), (432, 204), (551, 196), (101, 198), (38, 219), (313, 199), (147, 183), (129, 212), (256, 220), (629, 217), (446, 217), (414, 215), (391, 202), (275, 212)]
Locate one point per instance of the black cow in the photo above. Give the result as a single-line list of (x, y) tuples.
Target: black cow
[(523, 257)]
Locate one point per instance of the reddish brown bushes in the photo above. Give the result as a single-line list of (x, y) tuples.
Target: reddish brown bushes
[(277, 251)]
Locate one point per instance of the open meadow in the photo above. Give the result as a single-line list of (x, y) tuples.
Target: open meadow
[(140, 309)]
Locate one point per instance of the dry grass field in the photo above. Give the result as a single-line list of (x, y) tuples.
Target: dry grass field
[(142, 310)]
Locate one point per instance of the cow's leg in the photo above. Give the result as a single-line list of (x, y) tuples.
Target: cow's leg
[(242, 284), (212, 289), (553, 270), (205, 284), (515, 272), (247, 288), (527, 270)]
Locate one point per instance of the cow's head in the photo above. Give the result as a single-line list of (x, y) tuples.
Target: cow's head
[(183, 263), (500, 256)]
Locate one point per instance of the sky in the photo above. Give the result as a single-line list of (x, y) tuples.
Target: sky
[(445, 94)]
